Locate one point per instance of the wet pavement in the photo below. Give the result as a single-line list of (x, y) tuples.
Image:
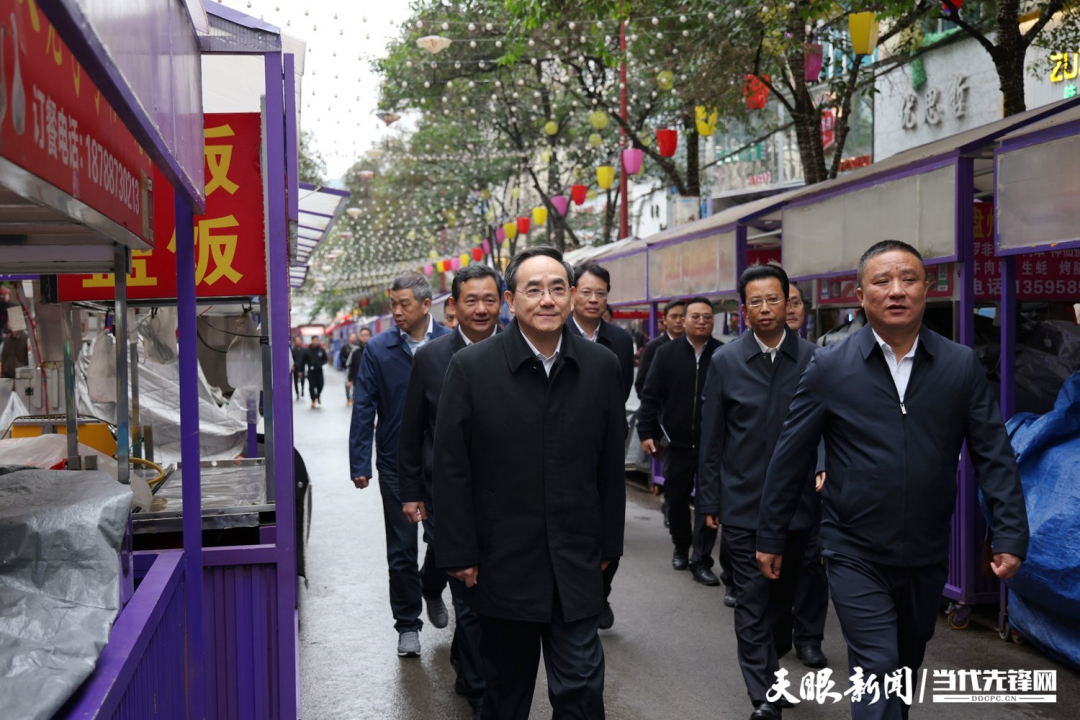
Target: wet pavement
[(670, 655)]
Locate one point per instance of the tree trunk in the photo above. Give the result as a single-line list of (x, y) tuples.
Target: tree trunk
[(1009, 55), (693, 153)]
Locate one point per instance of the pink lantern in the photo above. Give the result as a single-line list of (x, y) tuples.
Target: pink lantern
[(560, 203), (487, 247), (455, 263), (523, 225), (428, 269), (813, 57), (631, 160), (500, 235)]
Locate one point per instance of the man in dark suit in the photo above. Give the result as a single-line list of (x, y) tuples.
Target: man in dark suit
[(671, 409), (674, 315), (751, 382), (353, 367), (529, 486), (475, 296), (298, 362), (380, 390), (314, 359), (592, 287), (893, 436)]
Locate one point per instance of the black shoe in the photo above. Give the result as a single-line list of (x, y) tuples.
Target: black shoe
[(607, 617), (729, 596), (436, 612), (811, 656), (783, 703), (766, 711), (704, 575), (679, 561)]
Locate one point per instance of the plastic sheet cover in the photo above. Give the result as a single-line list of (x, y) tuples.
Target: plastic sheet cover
[(60, 537), (1044, 597)]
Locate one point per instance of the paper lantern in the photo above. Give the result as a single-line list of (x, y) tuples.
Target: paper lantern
[(515, 193), (545, 156), (551, 127), (510, 229), (433, 254), (864, 32), (665, 80), (632, 159), (523, 226), (539, 216), (813, 57), (945, 6), (500, 235), (577, 193), (667, 140), (441, 266), (463, 261), (596, 140), (455, 263), (486, 245), (477, 254), (428, 269), (755, 91), (434, 44), (605, 176), (706, 121), (388, 117), (559, 202), (598, 120)]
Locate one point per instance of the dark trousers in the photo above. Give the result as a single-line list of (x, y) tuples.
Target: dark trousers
[(887, 615), (573, 657), (761, 605), (807, 623), (315, 386), (680, 469), (407, 583), (298, 383)]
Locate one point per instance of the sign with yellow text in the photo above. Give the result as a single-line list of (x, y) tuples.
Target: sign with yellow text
[(230, 245)]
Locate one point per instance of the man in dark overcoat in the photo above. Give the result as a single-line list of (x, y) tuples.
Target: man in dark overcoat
[(529, 486)]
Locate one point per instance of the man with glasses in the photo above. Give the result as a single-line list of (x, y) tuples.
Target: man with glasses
[(475, 298), (750, 385), (674, 313), (528, 482), (671, 409)]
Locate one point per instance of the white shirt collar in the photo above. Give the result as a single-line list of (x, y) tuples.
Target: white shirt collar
[(591, 338), (674, 337), (766, 350), (469, 342), (889, 354), (697, 353), (548, 362)]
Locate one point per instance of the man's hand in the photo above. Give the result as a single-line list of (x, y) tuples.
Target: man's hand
[(361, 482), (467, 576), (1005, 565), (819, 481), (769, 564), (713, 521), (414, 511), (348, 384), (649, 446)]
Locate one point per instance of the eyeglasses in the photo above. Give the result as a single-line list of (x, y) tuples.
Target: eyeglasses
[(795, 304), (557, 293), (589, 294), (756, 302), (699, 318)]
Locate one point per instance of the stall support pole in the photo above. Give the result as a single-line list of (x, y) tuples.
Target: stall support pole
[(742, 261), (278, 288), (970, 543), (267, 398), (1007, 313), (136, 428), (120, 329), (71, 409), (189, 456)]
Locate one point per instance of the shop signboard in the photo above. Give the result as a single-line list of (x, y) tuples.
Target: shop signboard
[(230, 239), (55, 124), (1051, 275), (841, 290)]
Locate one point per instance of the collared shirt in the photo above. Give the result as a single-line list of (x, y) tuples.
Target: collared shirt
[(673, 337), (548, 362), (469, 342), (411, 346), (697, 351), (591, 338), (900, 369), (767, 351)]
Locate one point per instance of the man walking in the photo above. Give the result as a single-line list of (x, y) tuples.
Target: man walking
[(593, 285), (314, 359), (893, 438), (475, 296), (343, 360), (380, 391), (750, 385), (674, 315), (671, 409), (298, 362), (528, 482), (354, 357)]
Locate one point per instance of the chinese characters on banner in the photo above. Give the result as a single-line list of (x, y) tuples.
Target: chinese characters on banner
[(841, 290), (230, 248), (1053, 275), (55, 124)]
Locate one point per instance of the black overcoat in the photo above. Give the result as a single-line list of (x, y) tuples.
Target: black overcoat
[(528, 475)]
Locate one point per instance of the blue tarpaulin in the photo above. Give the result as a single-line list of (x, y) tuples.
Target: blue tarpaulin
[(1044, 597)]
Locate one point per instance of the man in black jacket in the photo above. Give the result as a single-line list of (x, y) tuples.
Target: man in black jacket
[(751, 382), (475, 296), (893, 436), (671, 409), (529, 486), (298, 363), (314, 359), (592, 287), (674, 315), (355, 356)]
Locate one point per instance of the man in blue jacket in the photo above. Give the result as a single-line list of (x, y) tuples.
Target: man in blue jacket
[(380, 390), (893, 431)]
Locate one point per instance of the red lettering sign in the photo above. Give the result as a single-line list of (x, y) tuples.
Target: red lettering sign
[(230, 239), (55, 124), (828, 128), (1053, 275)]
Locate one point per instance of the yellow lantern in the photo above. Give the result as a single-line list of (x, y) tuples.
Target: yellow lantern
[(515, 193), (596, 140), (551, 127), (864, 32), (598, 120), (464, 259), (605, 176), (665, 80), (706, 121), (433, 254), (591, 194), (545, 156), (440, 266), (539, 215), (510, 229)]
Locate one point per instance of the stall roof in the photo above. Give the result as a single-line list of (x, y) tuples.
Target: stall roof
[(320, 208), (722, 220)]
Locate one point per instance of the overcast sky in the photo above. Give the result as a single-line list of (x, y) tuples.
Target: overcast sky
[(339, 52)]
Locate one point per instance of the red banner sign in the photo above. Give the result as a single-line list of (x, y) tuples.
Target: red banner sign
[(55, 124), (230, 239), (1053, 275), (841, 290)]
